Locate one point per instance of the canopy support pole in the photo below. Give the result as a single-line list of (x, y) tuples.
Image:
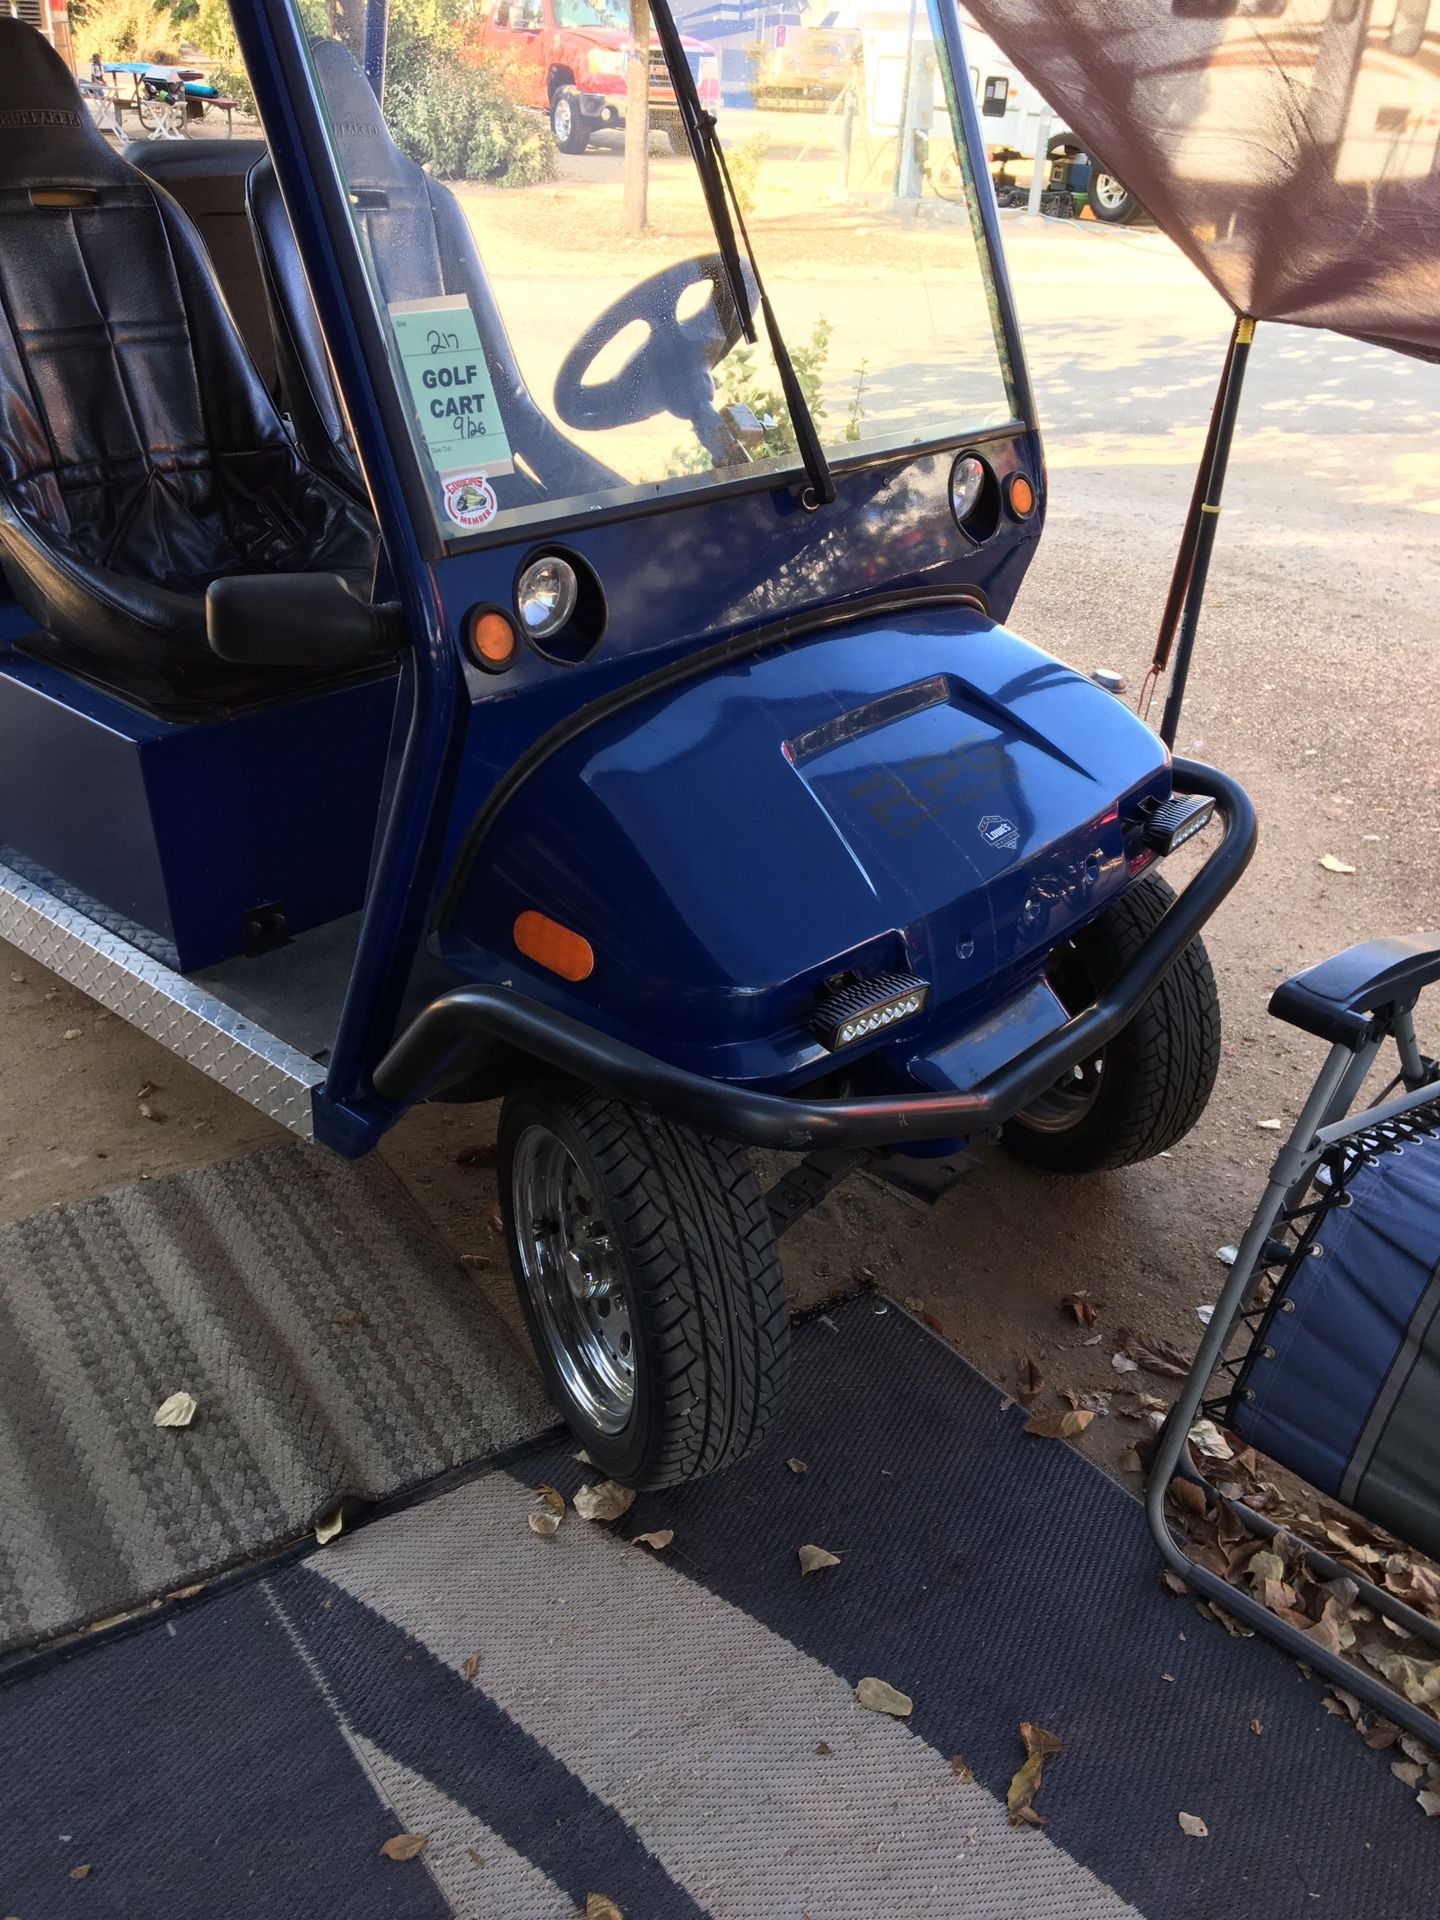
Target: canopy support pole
[(1197, 542)]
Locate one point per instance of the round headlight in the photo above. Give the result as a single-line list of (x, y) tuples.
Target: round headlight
[(967, 481), (545, 597)]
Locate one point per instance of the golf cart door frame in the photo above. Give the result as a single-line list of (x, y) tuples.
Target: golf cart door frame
[(427, 730)]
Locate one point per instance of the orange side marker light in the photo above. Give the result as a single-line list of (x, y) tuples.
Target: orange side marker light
[(554, 947), (1022, 496), (492, 641)]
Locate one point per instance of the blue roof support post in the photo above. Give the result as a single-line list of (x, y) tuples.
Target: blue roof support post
[(377, 29)]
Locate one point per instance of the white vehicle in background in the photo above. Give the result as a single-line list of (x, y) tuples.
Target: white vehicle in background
[(1014, 120)]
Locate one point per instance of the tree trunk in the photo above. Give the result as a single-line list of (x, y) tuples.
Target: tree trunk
[(347, 24), (637, 120)]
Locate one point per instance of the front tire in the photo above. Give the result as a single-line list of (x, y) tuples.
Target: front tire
[(567, 123), (647, 1273), (1111, 201), (1149, 1086)]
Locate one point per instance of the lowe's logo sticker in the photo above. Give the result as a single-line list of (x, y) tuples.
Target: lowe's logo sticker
[(997, 831)]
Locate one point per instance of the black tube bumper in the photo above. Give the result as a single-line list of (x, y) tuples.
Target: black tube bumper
[(432, 1042)]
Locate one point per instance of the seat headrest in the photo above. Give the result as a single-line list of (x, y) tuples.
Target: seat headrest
[(367, 153), (45, 131)]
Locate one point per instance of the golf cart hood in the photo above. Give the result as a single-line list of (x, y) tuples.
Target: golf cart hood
[(923, 794)]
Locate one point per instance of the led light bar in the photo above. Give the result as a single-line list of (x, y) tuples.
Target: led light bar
[(868, 1007), (1176, 821)]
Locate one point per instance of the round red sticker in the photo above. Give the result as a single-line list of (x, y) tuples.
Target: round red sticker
[(470, 499)]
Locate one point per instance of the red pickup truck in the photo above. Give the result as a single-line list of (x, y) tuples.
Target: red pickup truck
[(571, 56)]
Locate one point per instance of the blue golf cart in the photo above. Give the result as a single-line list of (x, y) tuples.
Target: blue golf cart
[(450, 660)]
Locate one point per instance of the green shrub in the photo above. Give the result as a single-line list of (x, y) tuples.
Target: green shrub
[(738, 384), (124, 30), (459, 118), (744, 165)]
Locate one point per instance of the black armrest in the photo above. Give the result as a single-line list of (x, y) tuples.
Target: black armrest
[(1335, 998)]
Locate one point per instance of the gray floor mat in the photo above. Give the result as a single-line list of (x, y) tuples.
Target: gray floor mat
[(334, 1345)]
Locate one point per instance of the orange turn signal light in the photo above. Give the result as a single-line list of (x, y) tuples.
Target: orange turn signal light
[(1021, 496), (554, 947), (492, 640)]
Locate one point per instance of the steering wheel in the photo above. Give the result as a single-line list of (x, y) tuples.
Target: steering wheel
[(670, 369)]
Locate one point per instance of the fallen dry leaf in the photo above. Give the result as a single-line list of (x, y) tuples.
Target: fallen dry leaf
[(607, 1501), (659, 1539), (1097, 1402), (961, 1771), (495, 1219), (1428, 1802), (1028, 1382), (327, 1528), (1059, 1426), (1186, 1494), (551, 1512), (1192, 1824), (880, 1697), (1408, 1772), (178, 1411), (1122, 1363), (1418, 1680), (1025, 1782), (812, 1559), (599, 1906), (470, 1665), (1332, 864), (1270, 1126), (1155, 1354), (797, 1466), (1257, 1726), (477, 1156), (80, 1873), (405, 1846), (1137, 1406), (1082, 1306), (1207, 1439)]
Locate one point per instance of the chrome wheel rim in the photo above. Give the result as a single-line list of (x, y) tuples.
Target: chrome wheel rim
[(562, 119), (1074, 1094), (572, 1279), (1069, 1101), (1109, 191)]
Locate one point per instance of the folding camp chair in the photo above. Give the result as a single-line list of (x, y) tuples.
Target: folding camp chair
[(1323, 1351)]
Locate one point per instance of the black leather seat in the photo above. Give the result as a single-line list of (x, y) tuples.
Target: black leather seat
[(419, 246), (207, 178), (140, 455)]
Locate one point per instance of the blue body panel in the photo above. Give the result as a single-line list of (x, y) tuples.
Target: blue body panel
[(172, 833), (923, 793)]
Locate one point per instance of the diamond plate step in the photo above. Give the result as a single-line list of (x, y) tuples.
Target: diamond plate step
[(264, 1070)]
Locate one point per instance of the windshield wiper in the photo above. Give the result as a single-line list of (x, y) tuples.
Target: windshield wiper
[(703, 139)]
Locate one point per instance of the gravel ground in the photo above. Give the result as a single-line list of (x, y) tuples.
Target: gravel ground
[(1315, 684)]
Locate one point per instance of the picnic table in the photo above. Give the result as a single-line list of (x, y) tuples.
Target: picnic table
[(163, 99)]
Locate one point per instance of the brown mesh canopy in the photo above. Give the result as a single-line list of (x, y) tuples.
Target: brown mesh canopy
[(1291, 147)]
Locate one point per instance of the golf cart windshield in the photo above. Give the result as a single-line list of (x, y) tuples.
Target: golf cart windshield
[(552, 362), (581, 14)]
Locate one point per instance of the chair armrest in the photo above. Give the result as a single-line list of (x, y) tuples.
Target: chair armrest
[(1335, 998)]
